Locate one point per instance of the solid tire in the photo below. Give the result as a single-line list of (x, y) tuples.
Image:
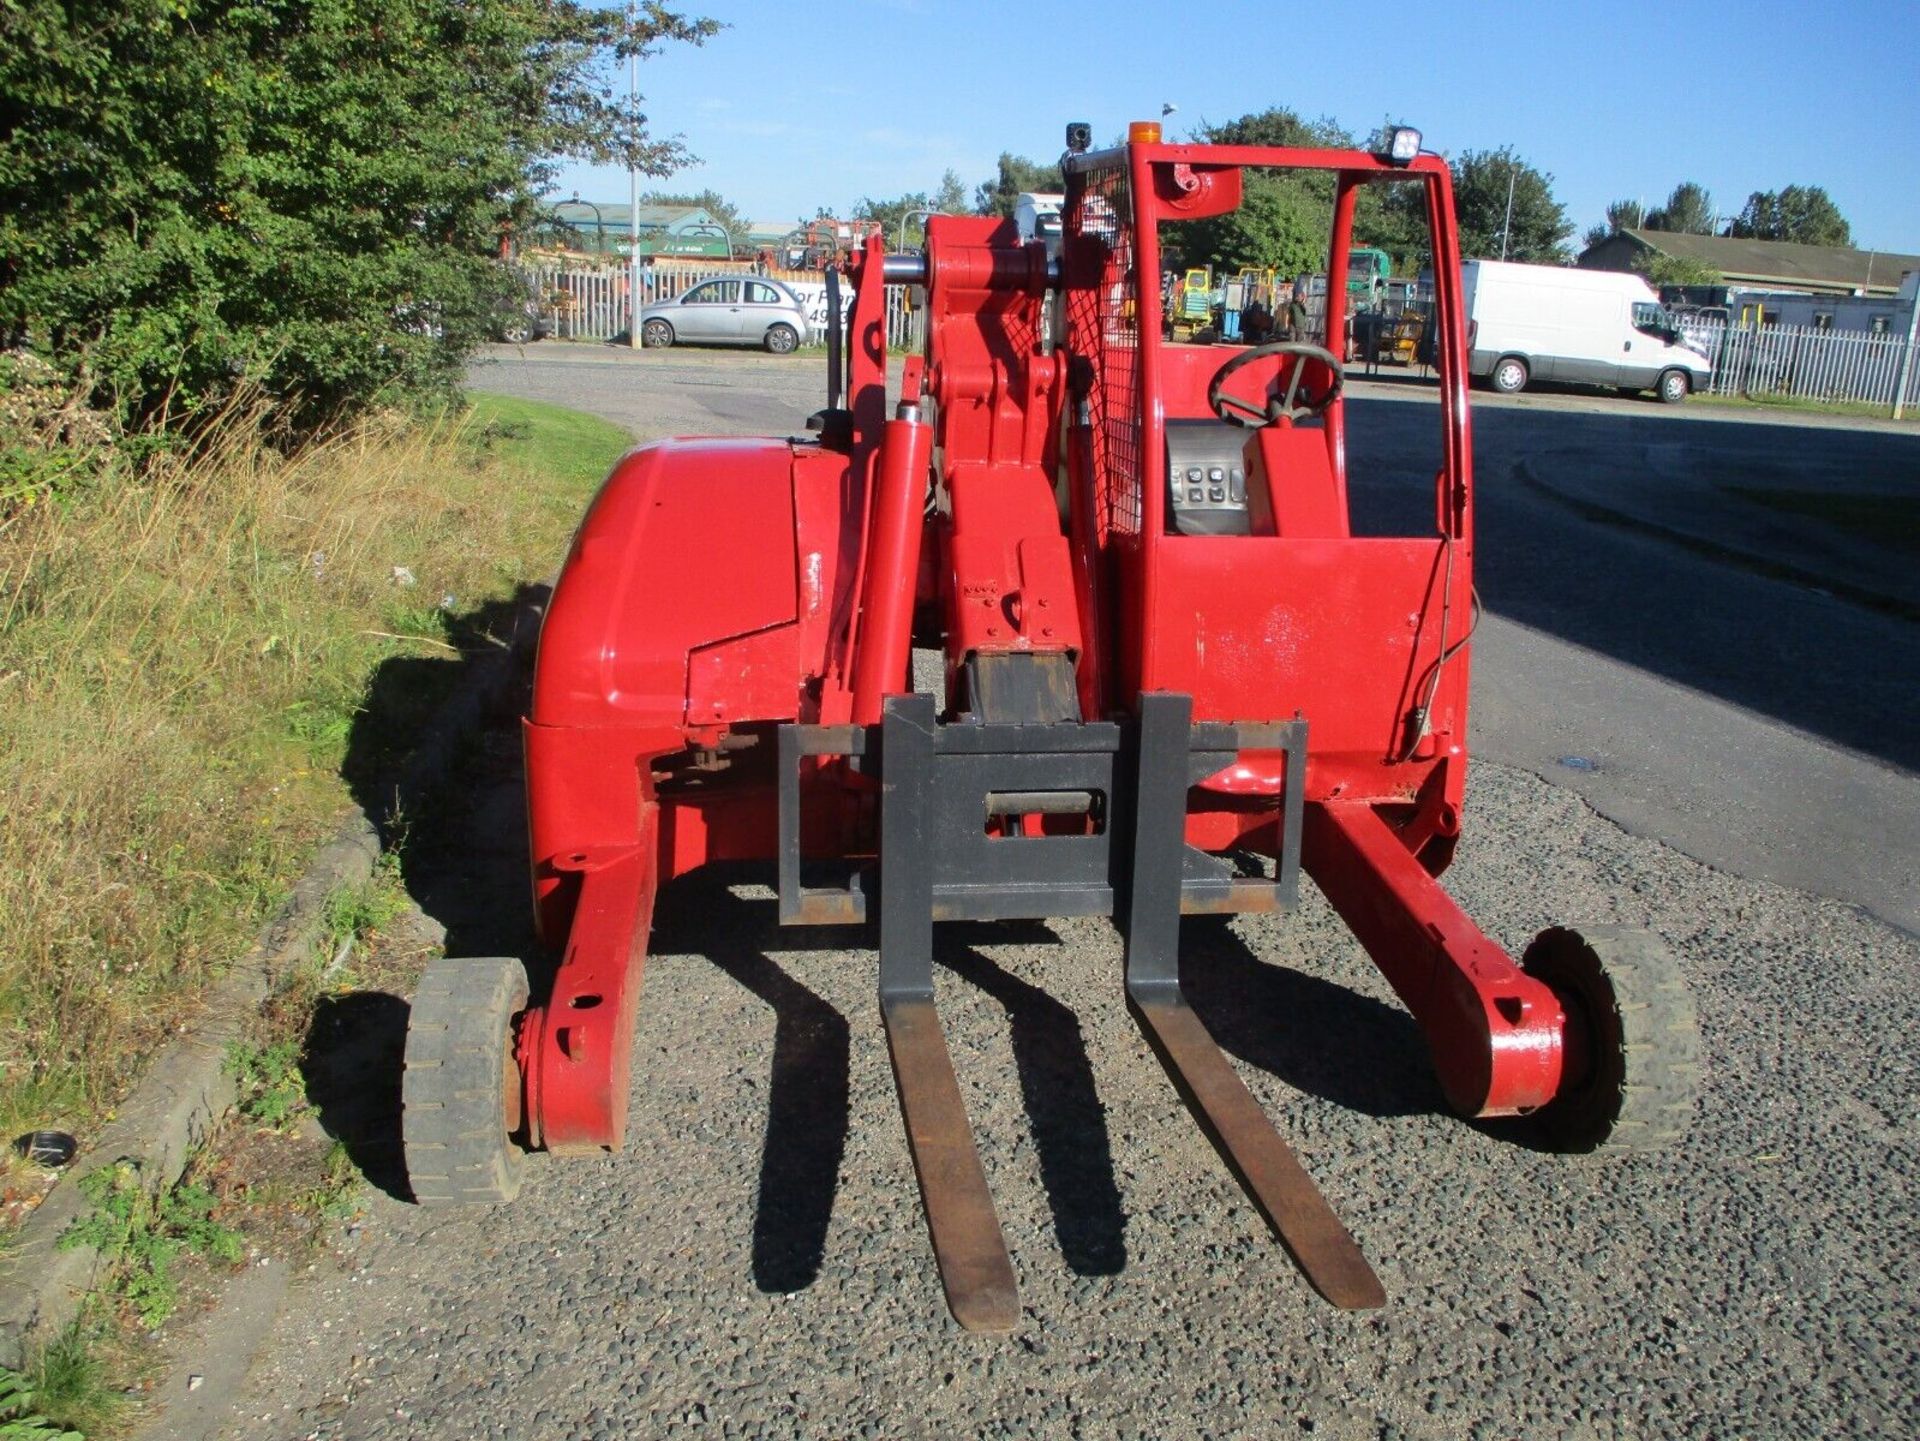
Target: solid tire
[(1643, 1040), (453, 1121), (1510, 375)]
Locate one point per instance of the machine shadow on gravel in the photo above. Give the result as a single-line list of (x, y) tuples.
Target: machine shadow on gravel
[(808, 1089), (1069, 1123), (1319, 1037), (462, 854), (351, 1065)]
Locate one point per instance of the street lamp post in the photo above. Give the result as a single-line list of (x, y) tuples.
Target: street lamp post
[(599, 223), (1506, 226), (900, 240), (633, 201)]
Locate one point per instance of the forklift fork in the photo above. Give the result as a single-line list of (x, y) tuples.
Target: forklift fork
[(939, 786)]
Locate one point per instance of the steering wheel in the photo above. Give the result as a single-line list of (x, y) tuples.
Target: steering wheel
[(1225, 405)]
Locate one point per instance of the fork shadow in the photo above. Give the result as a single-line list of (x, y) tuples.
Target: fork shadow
[(809, 1083), (1068, 1120), (1362, 1054)]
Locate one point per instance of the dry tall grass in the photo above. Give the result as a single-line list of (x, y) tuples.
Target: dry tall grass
[(182, 659)]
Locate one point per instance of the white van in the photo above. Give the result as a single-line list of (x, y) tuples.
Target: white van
[(1037, 217), (1584, 327)]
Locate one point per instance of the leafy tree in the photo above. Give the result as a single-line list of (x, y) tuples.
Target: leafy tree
[(304, 193), (711, 201), (1624, 215), (1621, 215), (951, 197), (1014, 175), (1277, 226), (1278, 126), (1675, 270), (1284, 220), (1688, 211), (890, 214), (1539, 229), (1804, 214)]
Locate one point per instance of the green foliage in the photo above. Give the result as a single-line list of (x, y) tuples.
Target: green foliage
[(949, 199), (51, 440), (272, 1089), (304, 193), (1277, 126), (1688, 211), (1540, 227), (1675, 270), (1015, 174), (1284, 221), (72, 1386), (141, 1235), (337, 1196), (356, 912), (711, 201), (1280, 224), (1625, 215), (18, 1419), (1804, 214)]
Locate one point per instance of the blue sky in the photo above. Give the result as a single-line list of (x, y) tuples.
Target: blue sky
[(796, 106)]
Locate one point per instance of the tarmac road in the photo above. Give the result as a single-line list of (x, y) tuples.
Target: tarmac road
[(755, 1263), (1759, 725)]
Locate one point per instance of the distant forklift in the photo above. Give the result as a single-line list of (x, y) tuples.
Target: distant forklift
[(1187, 300)]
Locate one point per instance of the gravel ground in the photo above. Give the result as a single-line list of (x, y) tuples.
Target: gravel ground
[(755, 1263)]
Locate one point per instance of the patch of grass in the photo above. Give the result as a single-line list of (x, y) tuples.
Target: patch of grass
[(1889, 520), (141, 1235), (1851, 409), (200, 667), (72, 1385), (355, 912), (19, 1417), (337, 1196)]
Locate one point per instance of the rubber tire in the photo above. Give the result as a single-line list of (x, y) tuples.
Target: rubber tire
[(782, 339), (516, 330), (1643, 1038), (459, 1051), (1510, 375), (656, 335), (1673, 387)]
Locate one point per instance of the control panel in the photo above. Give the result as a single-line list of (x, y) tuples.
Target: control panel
[(1207, 478)]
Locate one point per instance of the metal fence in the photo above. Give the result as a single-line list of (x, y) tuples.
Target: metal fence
[(590, 302), (1811, 364)]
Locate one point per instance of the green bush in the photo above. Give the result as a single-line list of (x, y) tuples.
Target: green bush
[(308, 195)]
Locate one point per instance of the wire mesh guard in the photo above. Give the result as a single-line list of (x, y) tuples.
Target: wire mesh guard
[(1103, 326)]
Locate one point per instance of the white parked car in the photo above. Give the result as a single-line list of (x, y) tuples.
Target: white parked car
[(729, 310)]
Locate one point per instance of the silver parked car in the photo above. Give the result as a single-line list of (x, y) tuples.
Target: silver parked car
[(733, 310)]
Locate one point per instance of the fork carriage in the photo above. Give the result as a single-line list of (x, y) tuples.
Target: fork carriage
[(1166, 652)]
